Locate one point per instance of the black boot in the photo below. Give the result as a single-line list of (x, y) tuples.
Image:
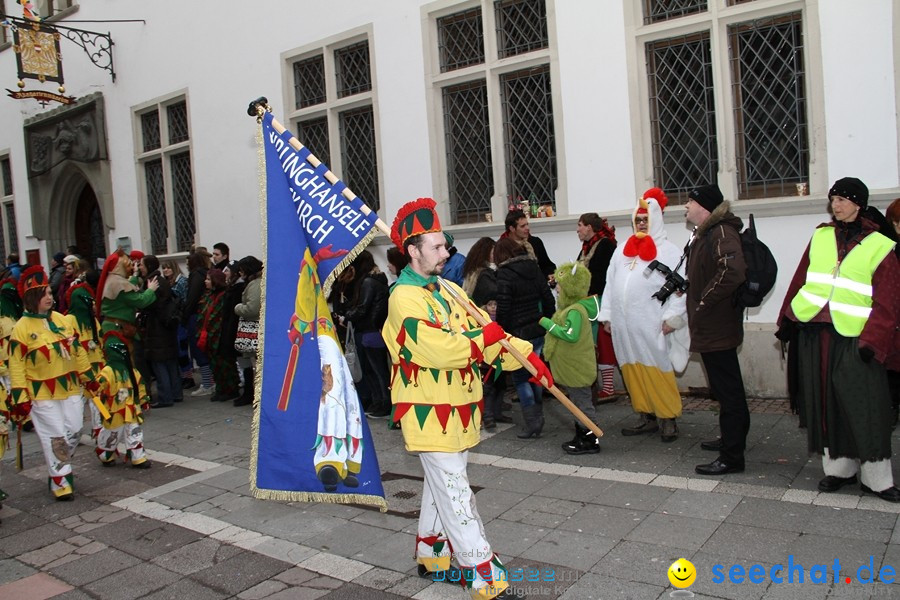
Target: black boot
[(534, 421), (246, 397), (585, 442)]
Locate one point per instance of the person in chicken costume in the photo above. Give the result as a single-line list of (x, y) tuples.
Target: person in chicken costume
[(125, 399), (436, 393), (650, 337), (80, 300), (46, 365)]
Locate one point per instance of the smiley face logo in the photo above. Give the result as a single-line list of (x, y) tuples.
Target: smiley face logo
[(682, 573)]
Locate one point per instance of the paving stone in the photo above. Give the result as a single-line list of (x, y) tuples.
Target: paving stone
[(602, 587), (239, 573), (392, 551), (409, 586), (153, 540), (638, 562), (771, 514), (512, 480), (37, 537), (633, 496), (296, 576), (12, 569), (136, 582), (861, 524), (746, 590), (742, 542), (493, 503), (576, 550), (34, 587), (608, 521), (700, 505), (350, 591), (262, 590), (283, 550), (576, 489), (379, 579), (94, 567), (811, 549), (296, 526), (335, 566), (186, 589), (511, 539), (542, 512), (47, 554), (196, 556), (189, 495), (686, 533)]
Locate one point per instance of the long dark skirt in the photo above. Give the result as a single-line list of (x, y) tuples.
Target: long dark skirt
[(846, 401)]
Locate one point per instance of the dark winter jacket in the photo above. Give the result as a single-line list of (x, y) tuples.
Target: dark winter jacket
[(598, 257), (196, 290), (523, 297), (485, 287), (716, 268), (371, 308), (160, 332), (230, 320)]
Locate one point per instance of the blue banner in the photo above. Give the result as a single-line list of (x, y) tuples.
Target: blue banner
[(311, 441)]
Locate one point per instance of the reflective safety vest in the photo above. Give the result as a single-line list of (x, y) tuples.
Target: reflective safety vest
[(845, 286)]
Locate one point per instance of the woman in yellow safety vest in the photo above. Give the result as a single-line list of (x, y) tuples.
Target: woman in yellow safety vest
[(841, 310)]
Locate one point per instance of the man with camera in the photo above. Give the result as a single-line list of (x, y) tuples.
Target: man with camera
[(716, 268), (643, 308)]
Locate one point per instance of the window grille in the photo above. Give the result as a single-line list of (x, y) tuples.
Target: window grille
[(682, 114), (772, 149), (529, 137), (663, 10), (48, 8), (178, 122), (358, 154), (150, 130), (11, 228), (7, 177), (352, 73), (313, 133), (736, 2), (468, 142), (460, 40), (3, 244), (521, 26), (309, 81), (183, 200), (156, 206)]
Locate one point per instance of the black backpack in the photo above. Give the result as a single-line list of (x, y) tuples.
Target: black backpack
[(761, 269)]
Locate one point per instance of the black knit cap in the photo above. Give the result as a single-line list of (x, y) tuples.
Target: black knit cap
[(707, 196), (852, 189)]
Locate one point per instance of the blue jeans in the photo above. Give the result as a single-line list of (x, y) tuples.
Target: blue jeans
[(197, 354), (168, 381), (529, 393)]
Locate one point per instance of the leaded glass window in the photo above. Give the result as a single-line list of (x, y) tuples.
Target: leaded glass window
[(521, 26), (468, 141), (460, 40), (309, 81), (528, 132), (178, 122), (7, 177), (682, 114), (663, 10), (2, 242), (313, 133), (150, 130), (358, 155), (183, 200), (11, 227), (167, 181), (772, 147), (352, 72), (156, 206)]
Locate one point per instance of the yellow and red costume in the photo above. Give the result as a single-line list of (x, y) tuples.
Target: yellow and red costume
[(80, 300)]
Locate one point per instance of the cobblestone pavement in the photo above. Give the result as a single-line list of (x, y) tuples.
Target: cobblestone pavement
[(572, 527)]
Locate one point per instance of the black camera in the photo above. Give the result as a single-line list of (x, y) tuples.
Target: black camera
[(674, 281)]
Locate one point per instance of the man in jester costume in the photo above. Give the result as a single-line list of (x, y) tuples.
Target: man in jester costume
[(650, 337), (436, 392), (125, 399), (10, 312), (80, 300), (46, 365)]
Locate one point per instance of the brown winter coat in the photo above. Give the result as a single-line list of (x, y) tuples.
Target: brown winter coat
[(715, 269)]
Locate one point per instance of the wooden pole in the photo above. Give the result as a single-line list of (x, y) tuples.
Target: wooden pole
[(260, 106), (479, 318)]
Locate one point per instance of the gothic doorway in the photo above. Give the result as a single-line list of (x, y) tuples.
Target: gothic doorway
[(89, 232)]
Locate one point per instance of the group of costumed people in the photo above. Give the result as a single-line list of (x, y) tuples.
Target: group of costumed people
[(52, 364)]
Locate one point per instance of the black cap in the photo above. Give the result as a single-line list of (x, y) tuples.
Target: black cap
[(707, 196), (852, 189)]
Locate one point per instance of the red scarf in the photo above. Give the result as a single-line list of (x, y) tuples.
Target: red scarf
[(643, 246), (605, 232)]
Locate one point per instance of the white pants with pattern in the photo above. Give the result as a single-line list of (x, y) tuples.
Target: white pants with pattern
[(130, 434), (58, 425)]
